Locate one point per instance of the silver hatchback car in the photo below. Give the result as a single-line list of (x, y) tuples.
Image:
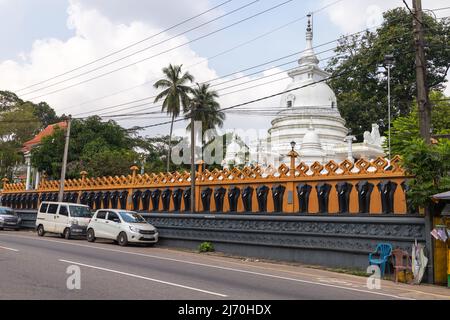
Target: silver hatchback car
[(9, 219)]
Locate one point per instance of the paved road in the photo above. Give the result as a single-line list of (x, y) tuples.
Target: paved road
[(35, 268)]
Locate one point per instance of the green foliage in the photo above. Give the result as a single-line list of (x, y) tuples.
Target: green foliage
[(206, 247), (406, 129), (430, 166), (175, 94), (360, 87), (19, 122), (100, 148), (206, 109)]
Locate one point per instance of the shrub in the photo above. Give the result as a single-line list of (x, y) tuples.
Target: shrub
[(206, 247)]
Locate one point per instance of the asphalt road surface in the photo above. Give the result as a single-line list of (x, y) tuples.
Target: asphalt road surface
[(37, 268)]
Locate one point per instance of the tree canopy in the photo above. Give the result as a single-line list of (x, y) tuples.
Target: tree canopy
[(100, 148), (19, 122), (361, 85)]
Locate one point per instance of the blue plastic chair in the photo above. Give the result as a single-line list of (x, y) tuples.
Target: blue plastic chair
[(380, 256)]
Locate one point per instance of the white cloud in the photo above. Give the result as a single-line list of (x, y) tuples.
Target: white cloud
[(96, 34)]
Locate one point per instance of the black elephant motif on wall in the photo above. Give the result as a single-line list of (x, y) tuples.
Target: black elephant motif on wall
[(84, 198), (365, 189), (233, 198), (98, 200), (136, 199), (146, 196), (123, 197), (323, 196), (187, 199), (343, 192), (277, 196), (219, 195), (177, 197), (156, 195), (206, 199), (247, 198), (115, 199), (387, 191), (105, 199), (303, 192), (410, 208), (165, 197), (261, 194)]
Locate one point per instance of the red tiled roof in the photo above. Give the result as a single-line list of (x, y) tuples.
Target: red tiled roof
[(27, 146)]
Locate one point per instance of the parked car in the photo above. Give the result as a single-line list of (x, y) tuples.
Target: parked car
[(67, 219), (122, 226), (9, 219)]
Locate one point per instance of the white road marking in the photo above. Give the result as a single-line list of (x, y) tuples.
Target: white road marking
[(223, 268), (144, 278), (10, 249)]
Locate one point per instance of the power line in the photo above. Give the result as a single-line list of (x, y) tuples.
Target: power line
[(236, 72), (230, 74), (141, 50), (165, 51), (207, 59), (127, 47)]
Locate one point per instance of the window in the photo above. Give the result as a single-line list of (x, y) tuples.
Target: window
[(63, 211), (101, 215), (132, 217), (7, 212), (289, 104), (80, 212), (43, 208), (112, 216), (52, 208), (332, 104)]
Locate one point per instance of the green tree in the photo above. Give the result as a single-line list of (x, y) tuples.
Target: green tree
[(175, 95), (91, 143), (206, 109), (361, 87), (17, 126), (429, 166), (405, 129)]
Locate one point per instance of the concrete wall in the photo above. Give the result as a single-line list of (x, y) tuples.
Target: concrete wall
[(334, 241)]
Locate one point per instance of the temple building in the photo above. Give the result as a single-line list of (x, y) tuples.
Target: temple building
[(32, 177), (308, 115)]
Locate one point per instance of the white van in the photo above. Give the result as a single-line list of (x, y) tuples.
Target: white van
[(66, 219)]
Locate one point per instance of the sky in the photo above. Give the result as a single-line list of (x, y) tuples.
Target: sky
[(47, 38)]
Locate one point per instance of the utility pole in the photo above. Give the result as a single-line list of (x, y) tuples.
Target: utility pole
[(193, 159), (64, 163), (421, 76)]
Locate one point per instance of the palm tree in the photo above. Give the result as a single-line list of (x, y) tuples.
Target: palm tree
[(175, 95), (206, 109)]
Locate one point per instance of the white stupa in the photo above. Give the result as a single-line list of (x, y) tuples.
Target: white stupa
[(310, 117)]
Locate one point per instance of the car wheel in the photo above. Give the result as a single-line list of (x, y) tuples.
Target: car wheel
[(122, 239), (91, 235), (66, 234), (41, 231)]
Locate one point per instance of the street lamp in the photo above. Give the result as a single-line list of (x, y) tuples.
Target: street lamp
[(293, 143), (389, 62), (293, 155)]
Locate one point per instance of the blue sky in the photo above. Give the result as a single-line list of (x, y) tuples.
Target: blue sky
[(43, 38)]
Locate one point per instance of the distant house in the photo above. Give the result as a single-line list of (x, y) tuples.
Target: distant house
[(32, 174)]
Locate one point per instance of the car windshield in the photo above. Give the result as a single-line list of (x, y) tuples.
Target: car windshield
[(6, 211), (132, 217), (80, 212)]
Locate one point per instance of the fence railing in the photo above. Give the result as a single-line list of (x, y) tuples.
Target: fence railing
[(360, 187)]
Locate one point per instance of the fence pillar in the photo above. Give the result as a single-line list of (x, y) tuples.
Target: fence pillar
[(289, 203), (134, 170)]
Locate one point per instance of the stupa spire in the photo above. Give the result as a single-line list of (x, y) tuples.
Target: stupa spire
[(309, 57)]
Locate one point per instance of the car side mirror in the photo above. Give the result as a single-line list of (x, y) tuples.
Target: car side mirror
[(116, 220)]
